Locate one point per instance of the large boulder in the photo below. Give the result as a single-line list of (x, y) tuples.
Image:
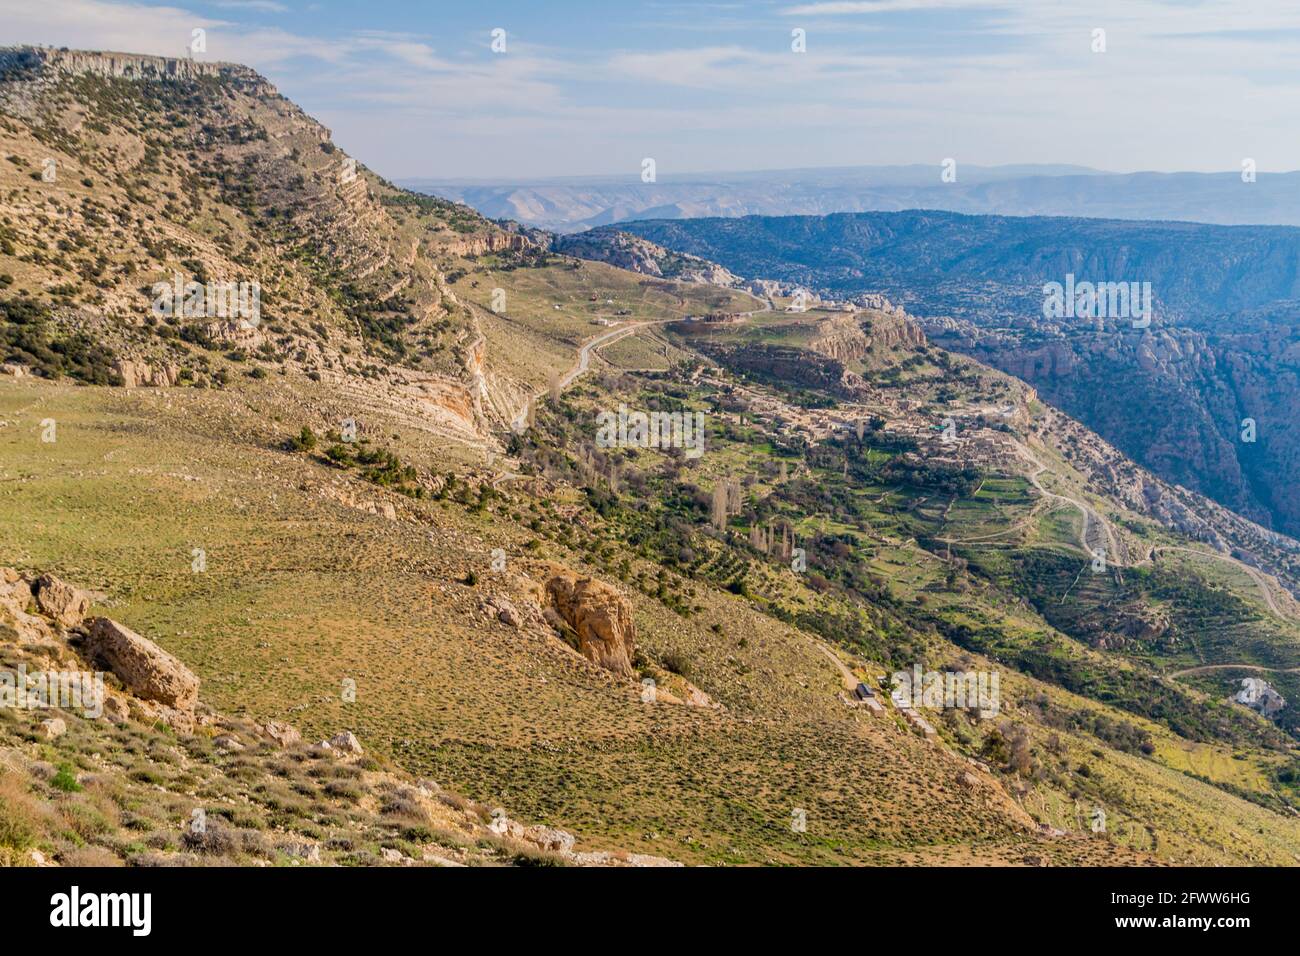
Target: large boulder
[(283, 734), (144, 668), (15, 623), (599, 616), (343, 743), (549, 838), (61, 601), (506, 612)]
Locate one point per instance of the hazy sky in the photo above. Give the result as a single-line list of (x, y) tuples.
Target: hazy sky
[(415, 89)]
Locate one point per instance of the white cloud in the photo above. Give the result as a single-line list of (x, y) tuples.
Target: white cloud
[(830, 9), (261, 6)]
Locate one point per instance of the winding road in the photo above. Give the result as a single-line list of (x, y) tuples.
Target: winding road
[(1264, 589), (1096, 532), (850, 679), (583, 363), (1207, 668)]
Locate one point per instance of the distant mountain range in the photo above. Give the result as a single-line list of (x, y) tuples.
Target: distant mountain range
[(573, 204), (991, 269)]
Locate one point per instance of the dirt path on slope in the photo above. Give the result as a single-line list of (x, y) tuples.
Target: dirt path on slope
[(582, 364), (1207, 668), (850, 679), (1255, 575)]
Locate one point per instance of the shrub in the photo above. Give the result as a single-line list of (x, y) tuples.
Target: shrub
[(66, 780), (305, 440), (18, 817), (27, 339)]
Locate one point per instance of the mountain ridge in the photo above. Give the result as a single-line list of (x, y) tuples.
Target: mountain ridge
[(577, 203)]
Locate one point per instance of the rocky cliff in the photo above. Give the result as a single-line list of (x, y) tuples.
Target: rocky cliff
[(124, 161), (635, 254), (33, 61), (1216, 413)]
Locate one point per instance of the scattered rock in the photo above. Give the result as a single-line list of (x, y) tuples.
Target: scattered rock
[(53, 728), (282, 733), (549, 838), (437, 860), (228, 742), (595, 858), (61, 601), (345, 742), (644, 859), (307, 852), (144, 668), (506, 612)]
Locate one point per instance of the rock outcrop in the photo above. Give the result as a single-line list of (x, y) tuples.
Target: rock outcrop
[(850, 337), (490, 242), (61, 601), (505, 611), (137, 373), (599, 616), (283, 734), (144, 668), (45, 616), (16, 599), (129, 66), (626, 251), (343, 743)]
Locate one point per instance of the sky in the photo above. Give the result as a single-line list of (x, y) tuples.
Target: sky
[(580, 87)]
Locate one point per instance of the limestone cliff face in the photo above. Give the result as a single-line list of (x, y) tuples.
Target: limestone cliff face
[(850, 337), (132, 66), (841, 339), (635, 254), (893, 329), (489, 242)]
